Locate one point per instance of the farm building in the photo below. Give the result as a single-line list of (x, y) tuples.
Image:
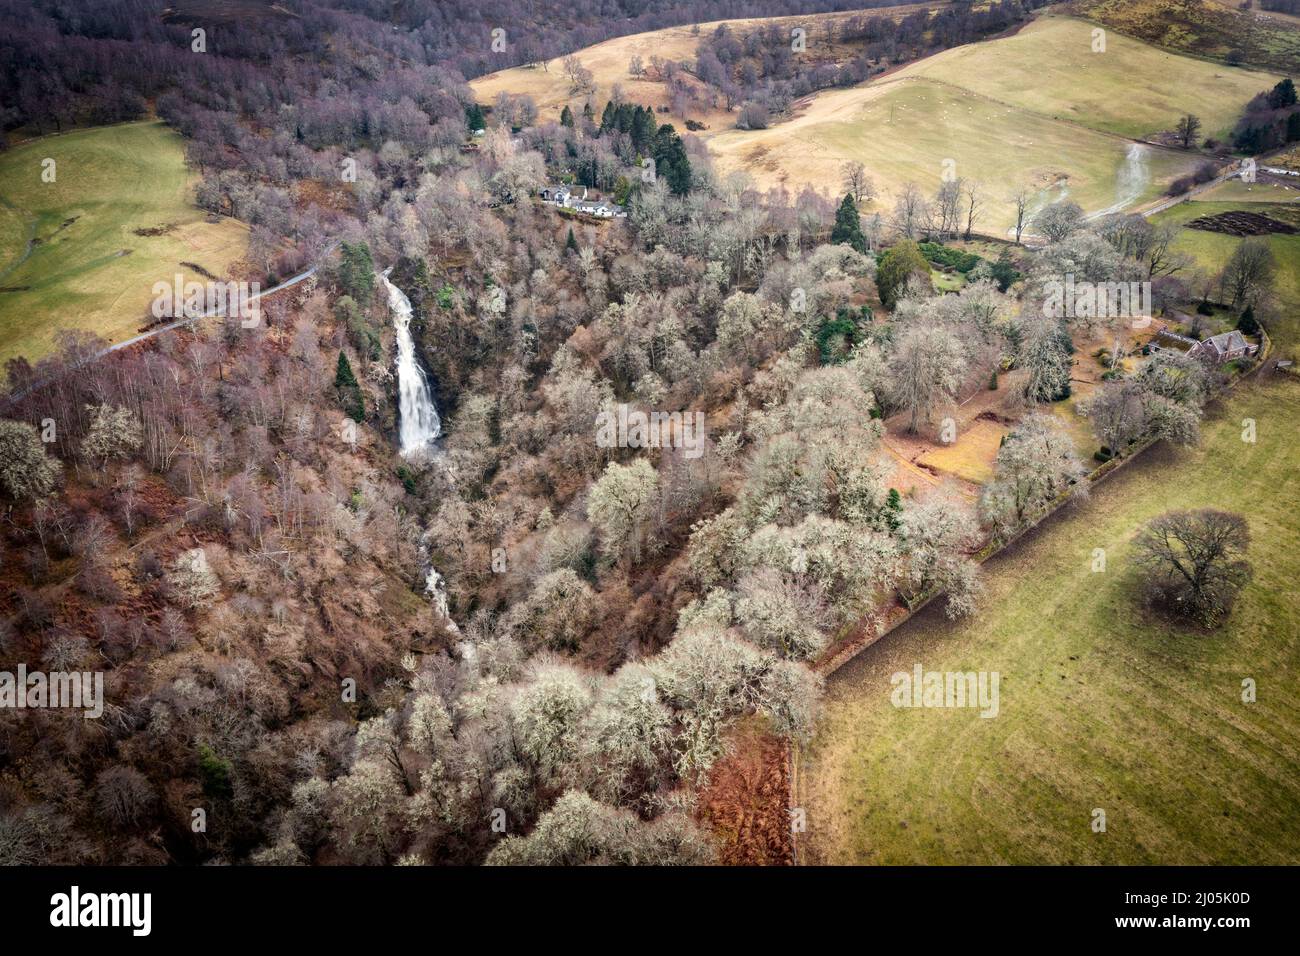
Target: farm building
[(566, 198), (1223, 347), (559, 195)]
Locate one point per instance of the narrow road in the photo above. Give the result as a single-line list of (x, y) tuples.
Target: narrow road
[(191, 319), (178, 324), (1232, 172)]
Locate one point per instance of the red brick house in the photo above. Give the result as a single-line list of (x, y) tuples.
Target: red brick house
[(1223, 347)]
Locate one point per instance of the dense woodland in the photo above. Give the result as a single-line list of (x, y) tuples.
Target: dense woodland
[(1271, 120), (208, 530), (66, 62)]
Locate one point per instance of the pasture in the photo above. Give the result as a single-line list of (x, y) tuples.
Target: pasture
[(1210, 250), (1101, 705), (118, 217), (913, 130), (608, 62), (1129, 88), (1274, 190)]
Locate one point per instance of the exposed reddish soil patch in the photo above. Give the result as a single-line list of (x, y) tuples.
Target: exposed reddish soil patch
[(745, 801), (329, 195)]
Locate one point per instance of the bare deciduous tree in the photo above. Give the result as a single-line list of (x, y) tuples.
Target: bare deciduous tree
[(1124, 413), (910, 212), (1036, 463), (25, 470), (1188, 128), (856, 181), (1249, 273), (1059, 220), (123, 795), (947, 208), (619, 505), (1021, 201), (936, 535), (925, 369), (1194, 562), (581, 79), (974, 197)]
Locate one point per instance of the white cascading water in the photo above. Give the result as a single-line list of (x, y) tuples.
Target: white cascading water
[(418, 425), (1130, 181), (1133, 175), (436, 588)]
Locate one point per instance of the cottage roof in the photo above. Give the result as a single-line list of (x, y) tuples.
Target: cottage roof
[(1227, 341)]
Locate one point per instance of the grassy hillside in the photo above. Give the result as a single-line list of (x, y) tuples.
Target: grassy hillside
[(1037, 109), (89, 266), (1034, 109), (1132, 88), (904, 129), (1100, 706), (608, 63)]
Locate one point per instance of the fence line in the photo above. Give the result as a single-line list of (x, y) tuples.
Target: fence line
[(844, 655)]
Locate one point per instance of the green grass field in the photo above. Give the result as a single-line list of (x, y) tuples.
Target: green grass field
[(88, 267), (1234, 190), (1100, 704), (1131, 88), (1038, 109), (1211, 250)]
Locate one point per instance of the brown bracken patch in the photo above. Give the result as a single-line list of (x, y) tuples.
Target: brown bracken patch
[(745, 801)]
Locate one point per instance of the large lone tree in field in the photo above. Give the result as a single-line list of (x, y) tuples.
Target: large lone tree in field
[(1194, 562)]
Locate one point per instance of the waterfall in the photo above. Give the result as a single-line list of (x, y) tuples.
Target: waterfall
[(1133, 176), (418, 425), (1130, 181), (436, 588)]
